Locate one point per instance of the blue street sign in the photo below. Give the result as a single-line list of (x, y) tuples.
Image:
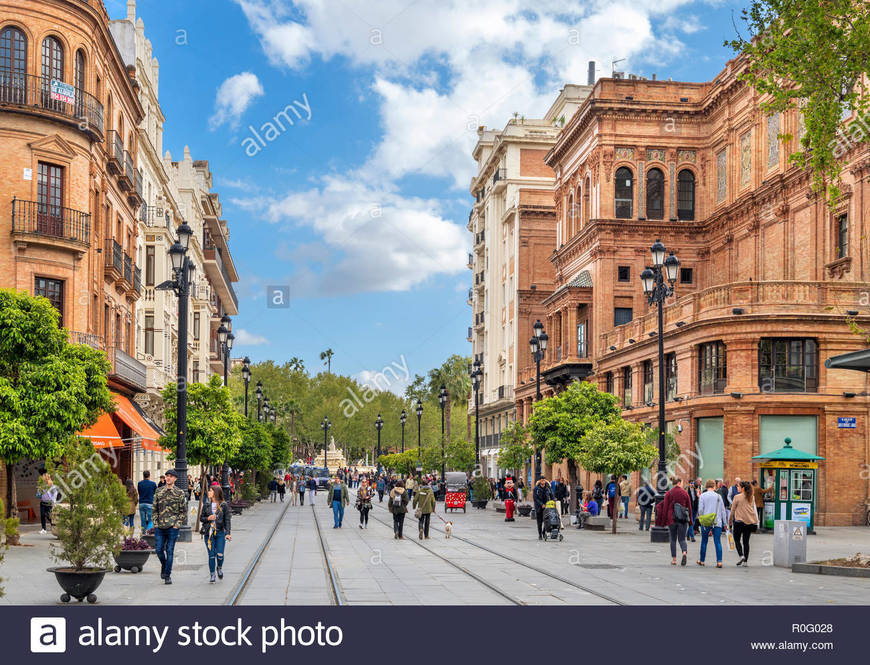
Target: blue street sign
[(846, 422)]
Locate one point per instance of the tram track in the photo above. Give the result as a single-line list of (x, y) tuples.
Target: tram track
[(511, 559), (330, 570), (246, 577)]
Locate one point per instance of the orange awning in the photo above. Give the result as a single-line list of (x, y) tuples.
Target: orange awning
[(125, 410), (103, 433)]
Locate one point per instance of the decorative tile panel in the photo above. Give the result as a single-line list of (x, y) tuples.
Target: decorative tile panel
[(686, 156), (772, 140), (655, 155), (625, 153), (746, 158), (721, 175)]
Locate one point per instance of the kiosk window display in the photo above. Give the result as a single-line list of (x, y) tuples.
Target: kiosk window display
[(789, 476)]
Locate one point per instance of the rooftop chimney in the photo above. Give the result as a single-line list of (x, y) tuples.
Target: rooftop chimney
[(591, 78)]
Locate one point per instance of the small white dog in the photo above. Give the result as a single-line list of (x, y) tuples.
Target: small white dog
[(448, 528)]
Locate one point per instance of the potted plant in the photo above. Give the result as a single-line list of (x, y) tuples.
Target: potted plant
[(524, 509), (13, 537), (132, 555), (481, 492), (89, 523)]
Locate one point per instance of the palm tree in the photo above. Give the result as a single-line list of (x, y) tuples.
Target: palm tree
[(327, 357), (453, 375)]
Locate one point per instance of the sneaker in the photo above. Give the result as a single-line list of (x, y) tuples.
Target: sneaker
[(540, 537), (220, 573), (683, 560), (740, 562), (162, 574), (42, 531), (211, 579), (167, 580)]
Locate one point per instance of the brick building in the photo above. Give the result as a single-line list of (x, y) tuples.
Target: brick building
[(513, 225), (769, 275)]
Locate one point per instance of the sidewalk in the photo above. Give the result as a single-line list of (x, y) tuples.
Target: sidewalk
[(26, 581)]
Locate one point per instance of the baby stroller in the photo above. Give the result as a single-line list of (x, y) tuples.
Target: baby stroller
[(552, 524)]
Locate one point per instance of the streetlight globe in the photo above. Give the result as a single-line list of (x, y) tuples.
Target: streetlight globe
[(230, 339), (672, 267), (533, 345), (538, 328), (658, 253), (648, 278), (222, 333), (176, 255), (542, 340), (419, 407), (184, 234)]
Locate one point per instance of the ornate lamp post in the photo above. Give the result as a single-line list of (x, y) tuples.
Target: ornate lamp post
[(442, 402), (658, 285), (476, 376), (182, 271), (402, 419), (419, 418), (538, 345), (246, 375), (325, 425), (379, 424), (259, 393), (225, 337)]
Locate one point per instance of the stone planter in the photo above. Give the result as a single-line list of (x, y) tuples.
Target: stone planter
[(524, 510), (132, 560), (480, 505), (78, 584)]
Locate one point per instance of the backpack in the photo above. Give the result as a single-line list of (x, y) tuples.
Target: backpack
[(681, 515), (397, 500), (597, 494), (611, 490)]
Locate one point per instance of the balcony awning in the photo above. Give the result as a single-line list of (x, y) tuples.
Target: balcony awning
[(103, 433), (856, 360), (135, 419)]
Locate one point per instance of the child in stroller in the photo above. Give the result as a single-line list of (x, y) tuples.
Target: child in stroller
[(552, 522)]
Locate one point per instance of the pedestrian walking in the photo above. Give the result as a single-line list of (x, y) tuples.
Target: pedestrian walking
[(398, 505), (625, 494), (291, 487), (382, 486), (561, 494), (711, 516), (46, 492), (510, 500), (282, 488), (312, 490), (598, 493), (612, 492), (694, 492), (364, 503), (162, 482), (338, 500), (424, 503), (410, 486), (758, 494), (646, 500), (146, 488), (215, 530), (677, 512), (300, 487), (273, 490), (170, 506), (541, 494), (132, 503), (743, 521)]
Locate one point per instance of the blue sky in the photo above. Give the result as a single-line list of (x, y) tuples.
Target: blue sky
[(361, 208)]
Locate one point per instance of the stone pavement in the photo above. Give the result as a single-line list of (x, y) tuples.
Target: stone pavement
[(373, 568)]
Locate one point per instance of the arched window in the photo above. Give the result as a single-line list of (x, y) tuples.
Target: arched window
[(655, 194), (623, 193), (587, 210), (13, 65), (52, 58), (686, 195), (80, 70)]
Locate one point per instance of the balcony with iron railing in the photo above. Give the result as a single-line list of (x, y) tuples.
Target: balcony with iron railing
[(155, 217), (124, 367), (115, 150), (113, 259), (60, 101), (126, 179), (52, 224), (471, 261), (470, 335), (499, 176), (135, 196), (219, 277)]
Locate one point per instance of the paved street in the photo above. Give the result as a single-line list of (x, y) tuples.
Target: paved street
[(371, 568)]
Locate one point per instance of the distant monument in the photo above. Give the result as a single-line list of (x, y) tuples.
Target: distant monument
[(334, 458)]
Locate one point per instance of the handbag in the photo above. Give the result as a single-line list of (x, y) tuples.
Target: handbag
[(419, 512), (680, 513), (707, 520), (731, 546)]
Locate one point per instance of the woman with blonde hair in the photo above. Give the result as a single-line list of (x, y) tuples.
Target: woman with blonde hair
[(364, 502), (743, 520)]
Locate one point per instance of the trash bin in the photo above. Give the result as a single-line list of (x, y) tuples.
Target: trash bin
[(789, 542)]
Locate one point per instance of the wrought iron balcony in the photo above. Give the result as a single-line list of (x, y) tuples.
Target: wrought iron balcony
[(115, 149), (134, 196), (34, 218), (128, 270), (113, 259), (38, 94)]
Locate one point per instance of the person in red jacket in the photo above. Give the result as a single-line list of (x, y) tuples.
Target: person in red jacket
[(677, 519), (510, 500)]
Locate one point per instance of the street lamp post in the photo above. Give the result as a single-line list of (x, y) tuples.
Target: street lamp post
[(402, 419), (246, 375), (225, 337), (442, 402), (259, 393), (379, 424), (266, 408), (658, 285), (419, 418), (325, 425), (476, 376), (538, 344), (182, 270)]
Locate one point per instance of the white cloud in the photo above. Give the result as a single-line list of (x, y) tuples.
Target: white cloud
[(233, 98), (244, 338)]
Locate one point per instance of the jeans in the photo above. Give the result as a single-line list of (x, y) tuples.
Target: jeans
[(717, 535), (364, 516), (398, 523), (424, 524), (625, 501), (164, 543), (582, 516), (45, 513), (645, 513), (216, 551), (380, 496), (273, 494), (742, 531), (129, 520), (145, 516), (677, 532), (338, 512), (302, 498)]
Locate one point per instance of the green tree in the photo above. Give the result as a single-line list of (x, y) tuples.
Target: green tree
[(559, 423), (254, 452), (90, 520), (281, 451), (49, 389), (516, 449), (812, 56), (459, 455), (615, 446), (453, 375), (213, 424), (326, 356)]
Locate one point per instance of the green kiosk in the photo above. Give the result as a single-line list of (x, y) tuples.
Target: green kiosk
[(789, 477)]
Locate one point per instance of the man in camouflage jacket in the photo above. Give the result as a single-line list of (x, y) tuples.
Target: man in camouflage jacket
[(170, 507)]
